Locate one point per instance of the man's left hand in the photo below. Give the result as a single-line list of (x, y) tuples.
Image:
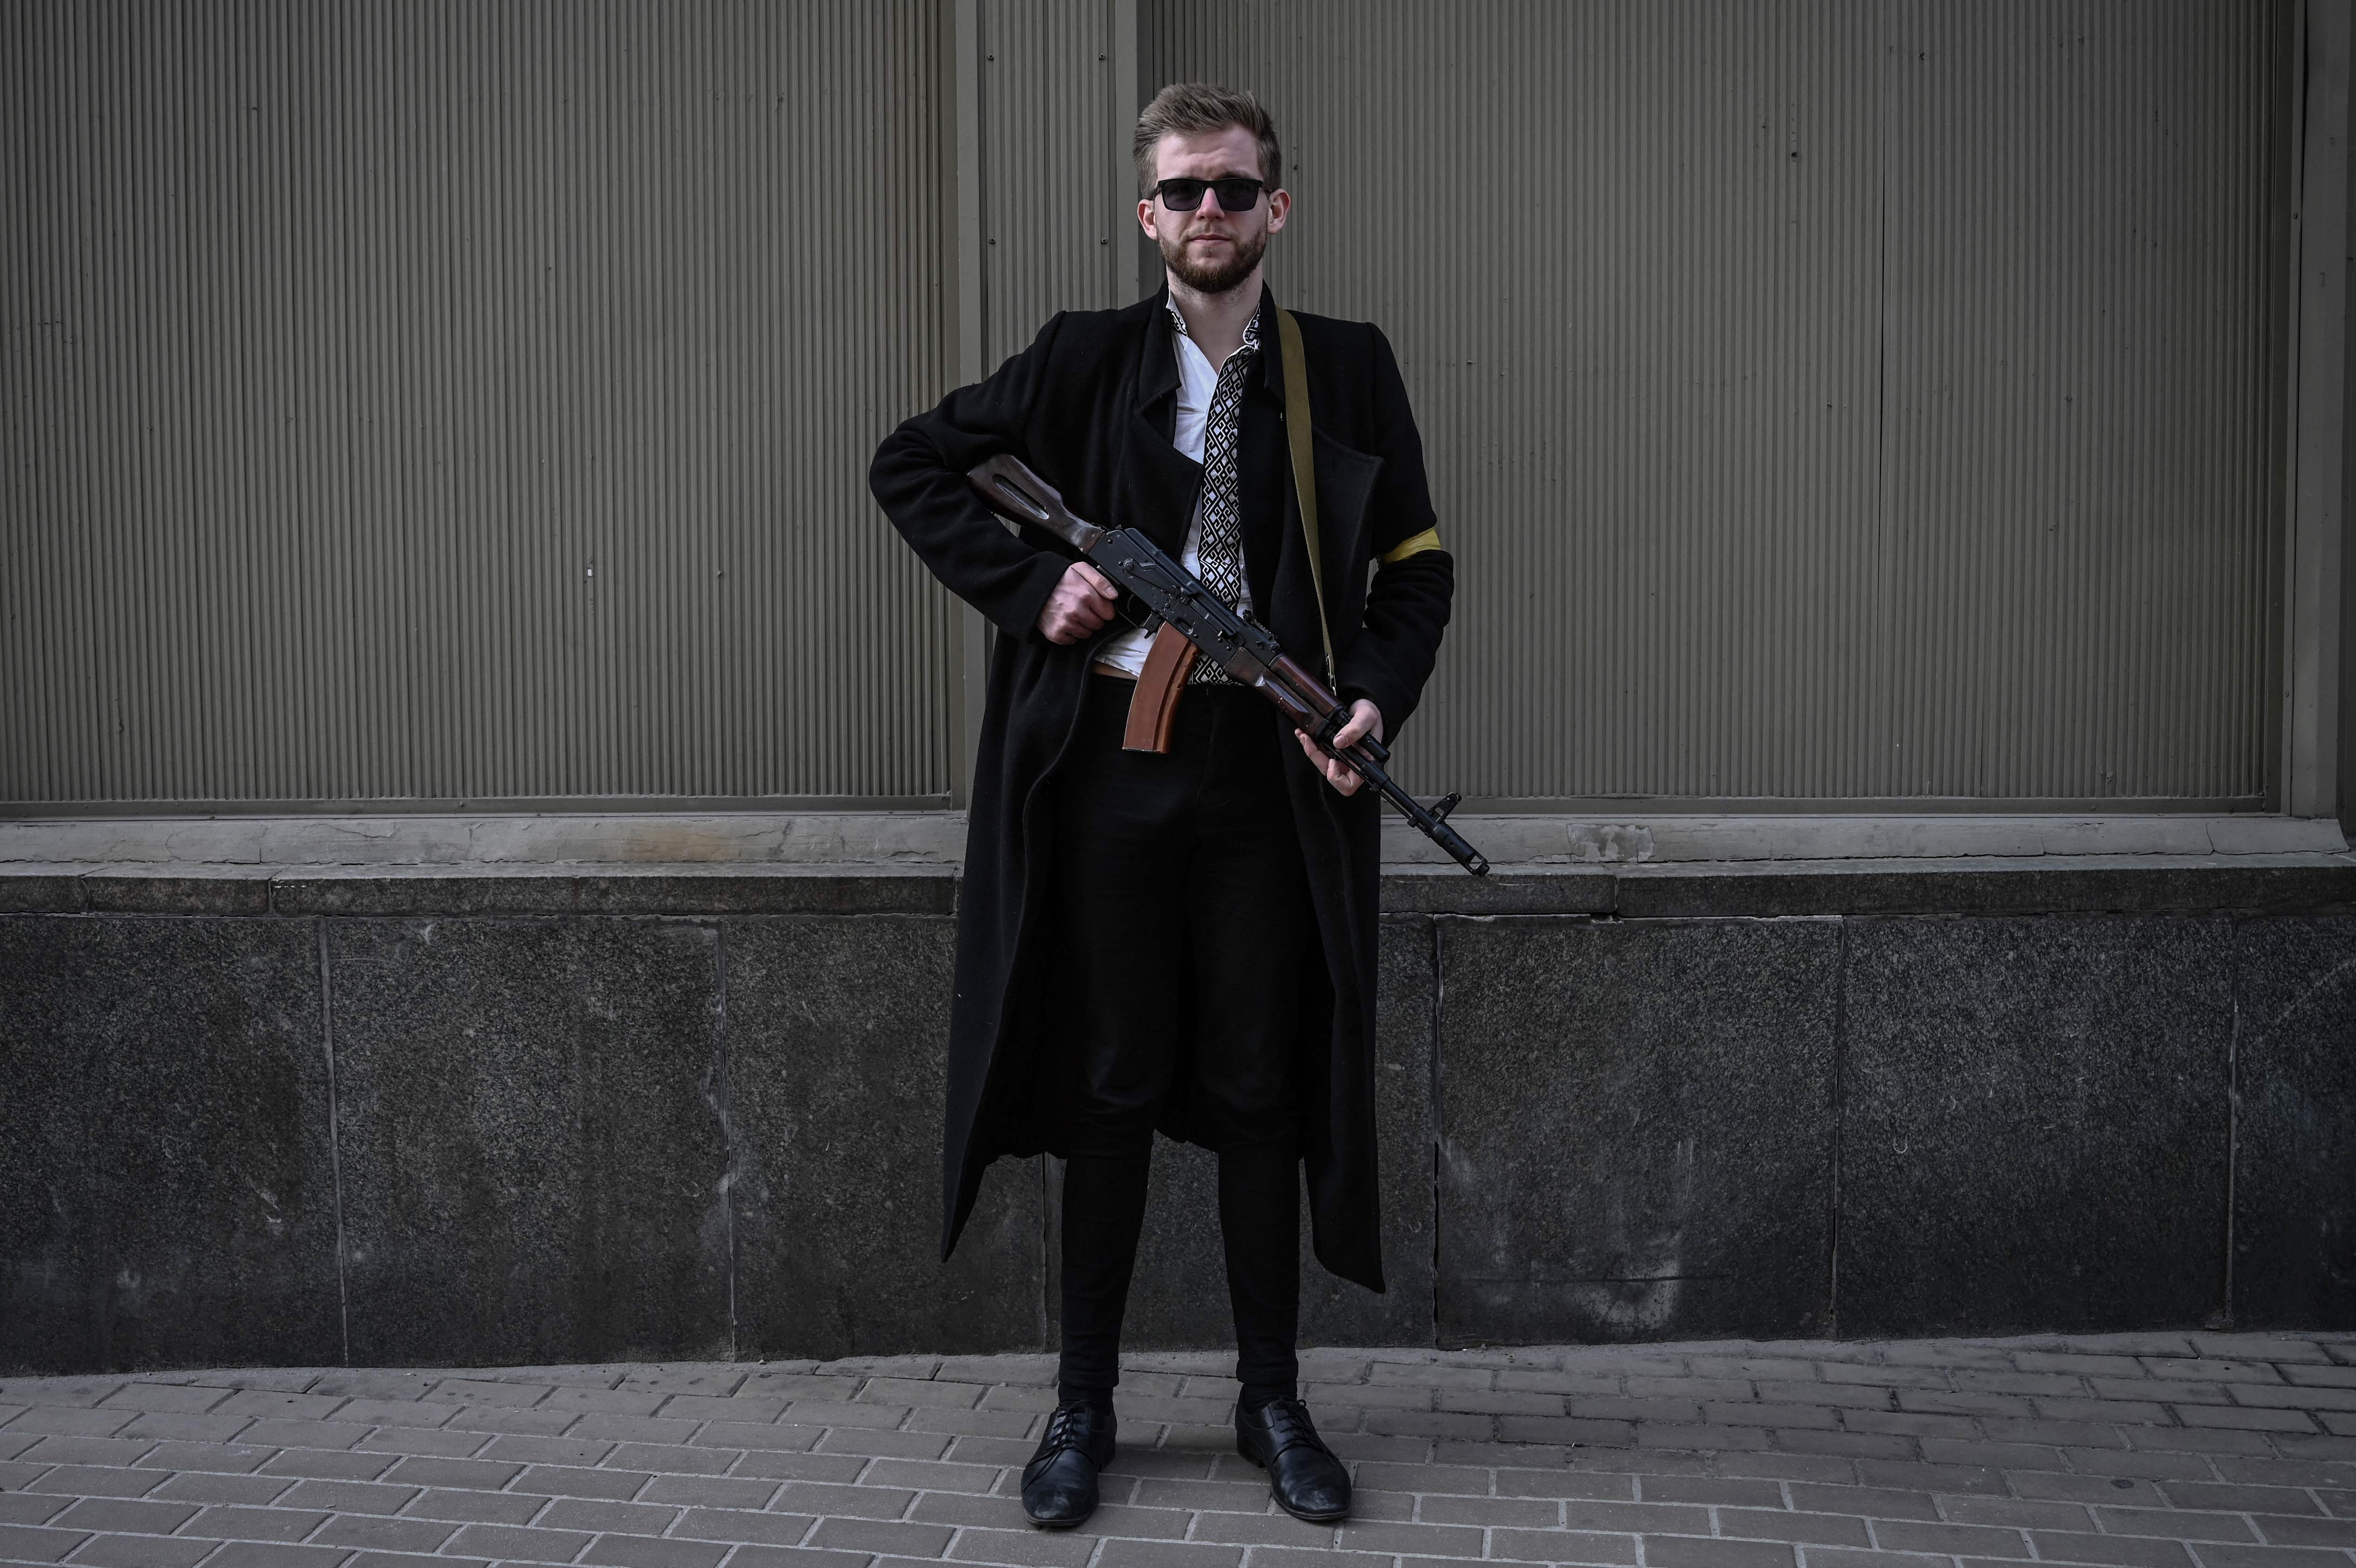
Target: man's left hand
[(1366, 719)]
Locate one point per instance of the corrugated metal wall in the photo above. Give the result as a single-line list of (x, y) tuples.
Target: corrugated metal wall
[(1827, 399), (467, 401), (1055, 167), (1828, 402)]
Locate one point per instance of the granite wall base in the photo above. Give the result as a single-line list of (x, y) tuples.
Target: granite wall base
[(469, 1137)]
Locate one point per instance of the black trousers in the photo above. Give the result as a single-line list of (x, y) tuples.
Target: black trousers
[(1184, 927)]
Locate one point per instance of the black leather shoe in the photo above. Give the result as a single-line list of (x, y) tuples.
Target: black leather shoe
[(1059, 1485), (1308, 1481)]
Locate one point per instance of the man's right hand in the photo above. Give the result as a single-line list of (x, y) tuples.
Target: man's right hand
[(1080, 607)]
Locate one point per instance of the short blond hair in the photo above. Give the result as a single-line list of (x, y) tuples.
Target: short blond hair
[(1196, 108)]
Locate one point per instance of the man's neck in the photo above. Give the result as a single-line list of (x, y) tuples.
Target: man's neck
[(1217, 321)]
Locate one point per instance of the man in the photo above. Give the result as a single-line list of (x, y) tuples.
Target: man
[(1182, 940)]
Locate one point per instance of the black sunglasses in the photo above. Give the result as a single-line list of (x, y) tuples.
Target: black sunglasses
[(1237, 194)]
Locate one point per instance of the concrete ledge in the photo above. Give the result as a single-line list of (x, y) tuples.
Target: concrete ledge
[(2050, 884), (2260, 883), (1646, 837)]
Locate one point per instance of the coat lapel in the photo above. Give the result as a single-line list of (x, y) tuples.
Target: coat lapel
[(1158, 483)]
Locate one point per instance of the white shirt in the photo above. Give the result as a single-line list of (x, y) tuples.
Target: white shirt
[(1197, 379)]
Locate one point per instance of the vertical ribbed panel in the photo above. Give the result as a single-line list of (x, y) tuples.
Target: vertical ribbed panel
[(467, 401), (1633, 257), (1054, 144), (2085, 398)]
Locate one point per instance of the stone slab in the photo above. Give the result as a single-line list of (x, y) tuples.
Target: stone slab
[(1178, 1295), (169, 1187), (688, 890), (532, 1161), (1636, 1129), (2294, 1142), (2034, 1123), (838, 1039)]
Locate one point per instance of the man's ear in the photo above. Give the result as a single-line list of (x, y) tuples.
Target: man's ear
[(1145, 218), (1280, 208)]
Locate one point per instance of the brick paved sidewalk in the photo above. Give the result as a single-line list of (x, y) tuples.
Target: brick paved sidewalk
[(2125, 1452)]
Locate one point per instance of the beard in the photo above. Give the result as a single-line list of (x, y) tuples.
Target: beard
[(1208, 277)]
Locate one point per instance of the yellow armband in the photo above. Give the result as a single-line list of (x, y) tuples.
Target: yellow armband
[(1428, 540)]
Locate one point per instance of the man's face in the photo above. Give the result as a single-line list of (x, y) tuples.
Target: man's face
[(1210, 249)]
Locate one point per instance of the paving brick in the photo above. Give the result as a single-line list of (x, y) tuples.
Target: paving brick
[(374, 1534), (186, 1399), (1124, 1553), (902, 1538), (1381, 1476), (347, 1496), (859, 1502), (147, 1518), (1693, 1551), (2219, 1555), (744, 1525), (1949, 1540), (276, 1555), (1961, 1480), (2231, 1497), (2102, 1413), (330, 1464), (2137, 1464), (2293, 1530), (1635, 1519), (230, 1522), (2207, 1370), (2137, 1551), (2017, 1513), (487, 1474), (2240, 1418), (473, 1391), (2287, 1473), (794, 1466), (427, 1442), (273, 1402), (186, 1428), (599, 1514), (1875, 1502), (1847, 1445), (2182, 1440), (710, 1491), (71, 1421), (143, 1552), (1260, 1530), (1562, 1546), (1042, 1549), (1853, 1557), (1815, 1529), (884, 1444), (645, 1551), (519, 1544), (2179, 1523), (87, 1450), (1431, 1539), (1296, 1557), (293, 1432), (1992, 1456), (25, 1543), (1824, 1470), (475, 1507), (797, 1557), (231, 1458), (1522, 1513)]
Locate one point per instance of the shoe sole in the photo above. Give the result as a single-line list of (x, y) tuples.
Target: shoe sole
[(1329, 1516)]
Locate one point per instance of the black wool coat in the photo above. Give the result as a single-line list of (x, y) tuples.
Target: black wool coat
[(1090, 405)]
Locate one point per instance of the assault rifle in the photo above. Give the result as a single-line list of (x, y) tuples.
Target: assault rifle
[(1188, 620)]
